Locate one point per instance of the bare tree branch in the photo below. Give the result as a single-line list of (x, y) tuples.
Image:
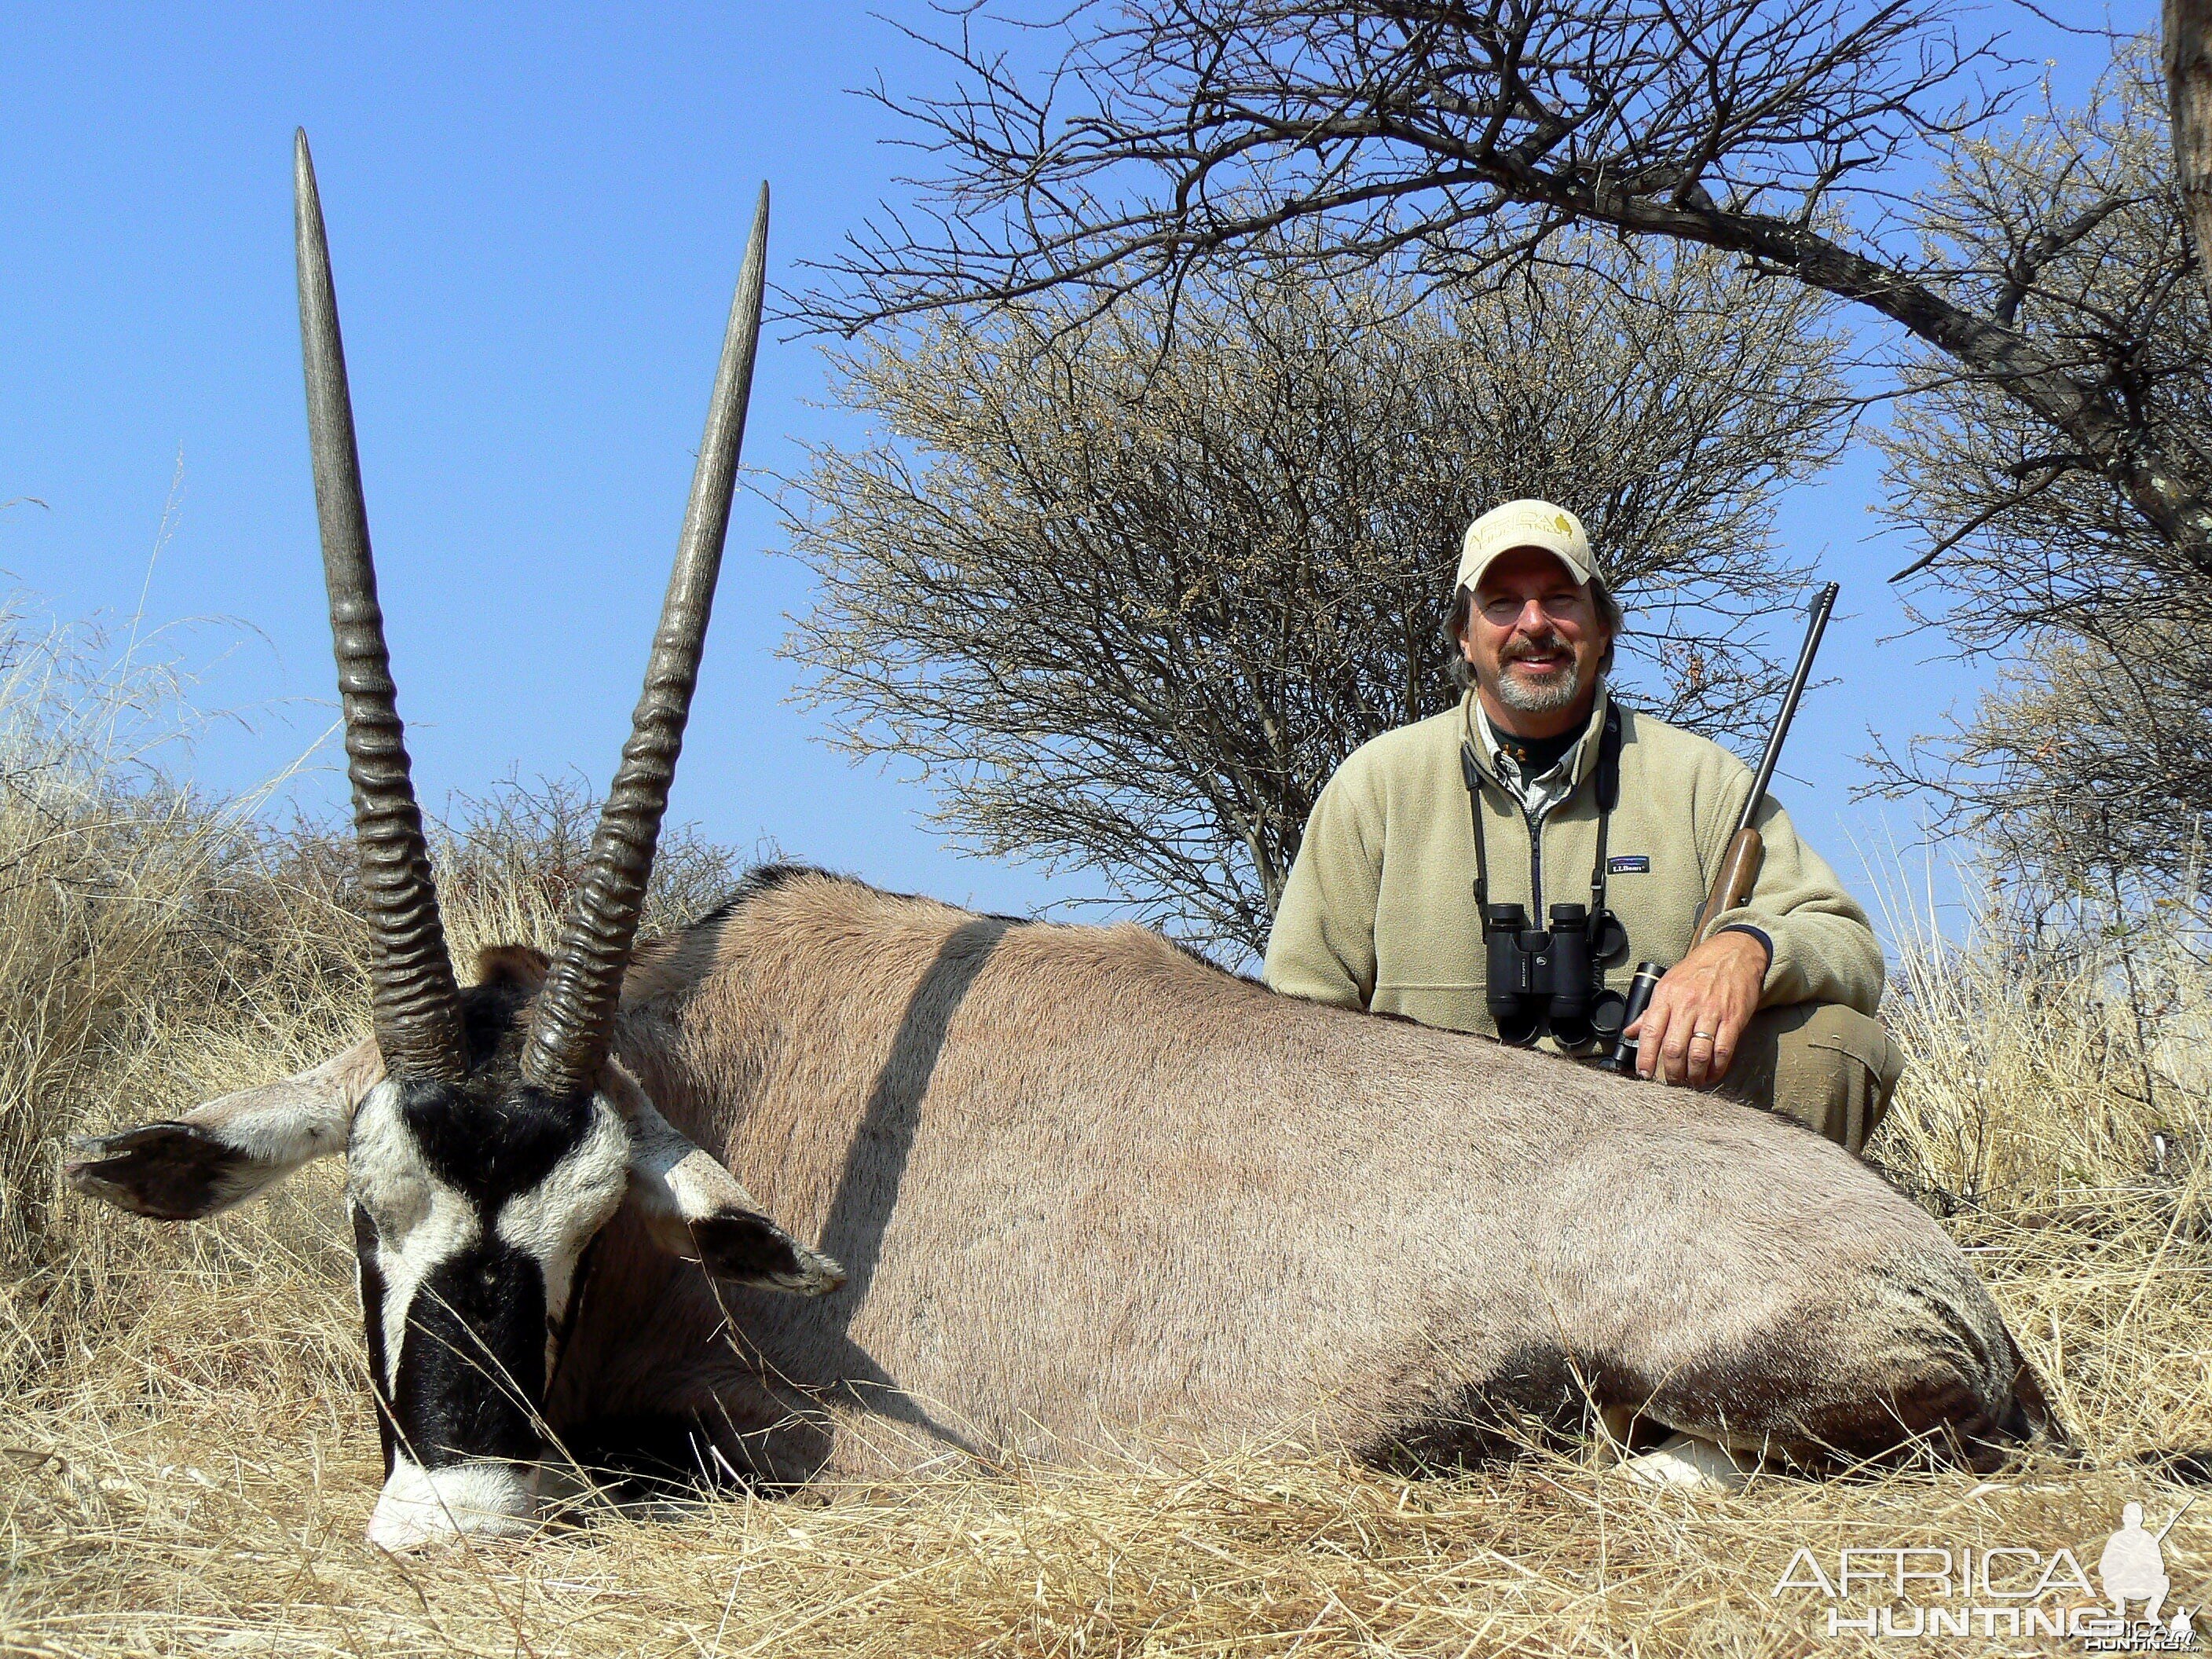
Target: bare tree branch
[(2084, 768), (1466, 134), (2053, 444)]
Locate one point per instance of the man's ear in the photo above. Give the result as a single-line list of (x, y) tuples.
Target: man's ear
[(696, 1209), (230, 1149)]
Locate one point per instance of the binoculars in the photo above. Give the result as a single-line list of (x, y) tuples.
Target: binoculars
[(1623, 1057), (1548, 979)]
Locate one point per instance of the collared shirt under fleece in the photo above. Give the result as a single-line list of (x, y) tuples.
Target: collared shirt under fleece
[(1379, 912)]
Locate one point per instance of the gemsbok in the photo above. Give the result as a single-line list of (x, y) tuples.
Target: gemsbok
[(1070, 1189)]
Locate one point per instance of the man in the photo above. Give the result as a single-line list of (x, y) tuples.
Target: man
[(1776, 1008)]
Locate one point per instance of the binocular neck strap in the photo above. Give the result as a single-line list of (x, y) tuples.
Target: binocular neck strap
[(1609, 797), (1471, 769)]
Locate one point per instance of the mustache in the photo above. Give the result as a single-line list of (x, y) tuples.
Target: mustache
[(1548, 643)]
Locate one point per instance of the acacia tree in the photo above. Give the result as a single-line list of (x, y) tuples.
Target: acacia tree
[(2091, 760), (2040, 301), (1130, 595)]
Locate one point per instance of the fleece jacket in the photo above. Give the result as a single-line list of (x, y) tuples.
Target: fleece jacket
[(1379, 912)]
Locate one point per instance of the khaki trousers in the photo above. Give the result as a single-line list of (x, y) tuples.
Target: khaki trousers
[(1830, 1067)]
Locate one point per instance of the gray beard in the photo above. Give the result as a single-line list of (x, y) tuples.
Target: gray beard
[(1526, 699)]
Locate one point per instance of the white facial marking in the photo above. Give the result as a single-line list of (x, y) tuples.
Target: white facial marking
[(421, 1222), (552, 1222), (485, 1499)]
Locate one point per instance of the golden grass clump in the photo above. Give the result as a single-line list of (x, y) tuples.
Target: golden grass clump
[(190, 1455)]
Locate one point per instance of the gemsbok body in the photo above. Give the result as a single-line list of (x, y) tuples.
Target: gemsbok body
[(1071, 1191)]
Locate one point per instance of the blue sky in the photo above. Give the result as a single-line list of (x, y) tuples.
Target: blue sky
[(536, 219)]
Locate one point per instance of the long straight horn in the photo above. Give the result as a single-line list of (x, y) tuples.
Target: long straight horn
[(418, 1010), (574, 1019)]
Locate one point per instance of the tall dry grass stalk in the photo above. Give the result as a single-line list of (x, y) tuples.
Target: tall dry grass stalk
[(129, 909), (189, 1457), (2054, 1064)]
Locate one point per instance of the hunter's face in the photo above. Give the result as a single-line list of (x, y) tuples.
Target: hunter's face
[(1532, 636)]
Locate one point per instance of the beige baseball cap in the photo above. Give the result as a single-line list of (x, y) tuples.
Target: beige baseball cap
[(1524, 524)]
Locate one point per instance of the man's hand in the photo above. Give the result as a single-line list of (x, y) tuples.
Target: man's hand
[(1697, 1012)]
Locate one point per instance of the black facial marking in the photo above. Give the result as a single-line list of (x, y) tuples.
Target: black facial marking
[(491, 1150), (472, 1363), (372, 1313), (492, 1135)]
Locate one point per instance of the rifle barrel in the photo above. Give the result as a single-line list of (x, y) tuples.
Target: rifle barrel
[(1821, 606)]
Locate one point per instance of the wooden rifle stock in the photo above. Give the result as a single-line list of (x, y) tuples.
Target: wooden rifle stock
[(1732, 887)]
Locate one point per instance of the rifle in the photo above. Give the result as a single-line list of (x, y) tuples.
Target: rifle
[(1747, 851)]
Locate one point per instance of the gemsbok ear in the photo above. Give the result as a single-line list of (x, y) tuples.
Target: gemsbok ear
[(231, 1149), (512, 967), (696, 1209)]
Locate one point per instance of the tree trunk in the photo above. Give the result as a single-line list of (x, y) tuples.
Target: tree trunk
[(2188, 90)]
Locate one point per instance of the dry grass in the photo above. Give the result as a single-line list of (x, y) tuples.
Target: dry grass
[(194, 1463), (190, 1455)]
